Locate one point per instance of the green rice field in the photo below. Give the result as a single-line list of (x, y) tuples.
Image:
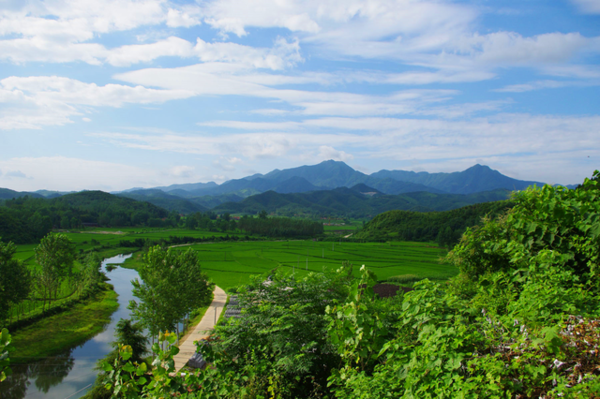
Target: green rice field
[(231, 264)]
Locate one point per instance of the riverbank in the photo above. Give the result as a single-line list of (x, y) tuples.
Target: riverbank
[(52, 335)]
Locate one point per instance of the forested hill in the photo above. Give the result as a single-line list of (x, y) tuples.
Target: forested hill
[(27, 220), (165, 200), (359, 201), (444, 227)]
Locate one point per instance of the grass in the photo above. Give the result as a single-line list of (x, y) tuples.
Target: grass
[(68, 329)]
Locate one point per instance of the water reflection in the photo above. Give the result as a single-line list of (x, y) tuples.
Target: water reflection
[(71, 373), (44, 374)]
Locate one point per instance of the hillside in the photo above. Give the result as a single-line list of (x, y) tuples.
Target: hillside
[(7, 194), (444, 227), (353, 203), (165, 200), (26, 220), (475, 179)]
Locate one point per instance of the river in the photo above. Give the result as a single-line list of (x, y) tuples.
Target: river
[(71, 373)]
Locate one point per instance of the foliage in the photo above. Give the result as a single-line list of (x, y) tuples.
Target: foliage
[(5, 349), (27, 220), (172, 286), (279, 347), (55, 255), (359, 327), (15, 279), (444, 227), (565, 222), (505, 326), (129, 336)]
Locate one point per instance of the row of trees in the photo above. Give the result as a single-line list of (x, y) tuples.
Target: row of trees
[(23, 288), (209, 221), (280, 227)]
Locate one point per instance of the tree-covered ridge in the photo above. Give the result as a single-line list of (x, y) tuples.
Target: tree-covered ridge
[(351, 202), (27, 220), (165, 200), (444, 227)]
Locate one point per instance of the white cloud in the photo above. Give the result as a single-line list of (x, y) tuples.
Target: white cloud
[(326, 152), (60, 31), (282, 126), (186, 18), (65, 174), (284, 54), (227, 79), (182, 171), (509, 48), (588, 6), (393, 139), (38, 101), (133, 54), (222, 165)]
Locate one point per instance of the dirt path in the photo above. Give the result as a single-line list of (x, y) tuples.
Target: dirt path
[(202, 330)]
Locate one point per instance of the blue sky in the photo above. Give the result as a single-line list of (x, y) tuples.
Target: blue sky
[(139, 93)]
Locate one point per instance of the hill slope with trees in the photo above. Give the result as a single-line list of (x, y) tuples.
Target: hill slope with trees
[(444, 227), (353, 202), (27, 220)]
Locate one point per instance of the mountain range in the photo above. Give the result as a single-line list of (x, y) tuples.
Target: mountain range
[(325, 187), (333, 174)]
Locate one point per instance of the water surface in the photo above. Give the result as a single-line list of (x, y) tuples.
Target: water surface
[(71, 373)]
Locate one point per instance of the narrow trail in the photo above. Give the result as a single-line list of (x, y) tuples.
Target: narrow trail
[(202, 330)]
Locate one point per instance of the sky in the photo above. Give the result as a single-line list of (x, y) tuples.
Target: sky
[(115, 94)]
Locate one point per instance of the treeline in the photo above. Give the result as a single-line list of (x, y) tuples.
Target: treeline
[(444, 227), (210, 221), (26, 220), (280, 227), (176, 240)]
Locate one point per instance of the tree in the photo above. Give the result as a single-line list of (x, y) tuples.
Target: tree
[(172, 286), (15, 279), (55, 255)]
